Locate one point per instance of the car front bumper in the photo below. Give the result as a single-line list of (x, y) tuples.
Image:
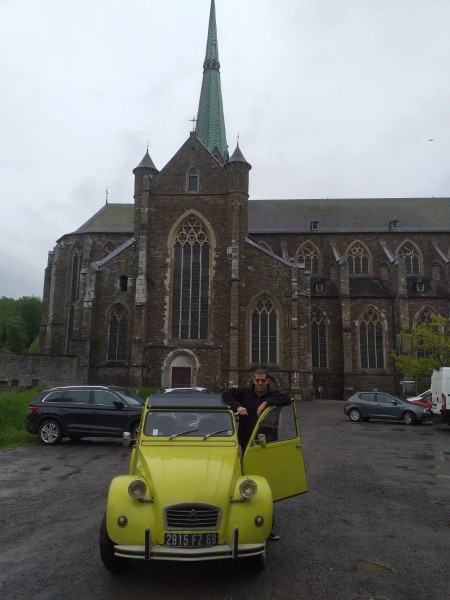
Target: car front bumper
[(233, 550)]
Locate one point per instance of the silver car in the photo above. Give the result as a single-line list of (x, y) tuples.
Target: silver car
[(363, 406)]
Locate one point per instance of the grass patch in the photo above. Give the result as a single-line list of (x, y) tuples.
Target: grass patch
[(13, 412)]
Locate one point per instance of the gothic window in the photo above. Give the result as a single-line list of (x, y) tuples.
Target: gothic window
[(70, 323), (117, 333), (310, 256), (123, 283), (192, 180), (75, 273), (371, 340), (358, 259), (318, 339), (425, 316), (109, 247), (190, 289), (264, 322), (409, 254)]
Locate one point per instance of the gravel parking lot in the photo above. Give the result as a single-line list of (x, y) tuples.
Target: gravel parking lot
[(374, 525)]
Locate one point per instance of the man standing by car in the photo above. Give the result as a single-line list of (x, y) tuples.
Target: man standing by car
[(249, 402)]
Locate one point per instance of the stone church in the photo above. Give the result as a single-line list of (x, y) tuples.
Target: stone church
[(194, 283)]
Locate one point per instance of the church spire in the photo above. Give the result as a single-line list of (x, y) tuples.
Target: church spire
[(210, 119)]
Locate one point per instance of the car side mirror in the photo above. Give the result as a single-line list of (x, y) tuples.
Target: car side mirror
[(261, 440), (119, 403)]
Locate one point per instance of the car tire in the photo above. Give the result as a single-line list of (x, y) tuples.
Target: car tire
[(355, 415), (112, 563), (50, 432), (408, 418)]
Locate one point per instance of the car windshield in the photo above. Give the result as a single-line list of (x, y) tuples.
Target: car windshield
[(189, 423), (129, 397)]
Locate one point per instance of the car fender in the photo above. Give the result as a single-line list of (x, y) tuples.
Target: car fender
[(139, 514), (243, 512)]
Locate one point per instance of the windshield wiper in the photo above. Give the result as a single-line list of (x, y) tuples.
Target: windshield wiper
[(215, 433), (182, 433)]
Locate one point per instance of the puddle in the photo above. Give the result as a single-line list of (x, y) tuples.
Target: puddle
[(372, 567)]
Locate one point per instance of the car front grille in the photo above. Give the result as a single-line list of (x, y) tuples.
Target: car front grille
[(192, 516)]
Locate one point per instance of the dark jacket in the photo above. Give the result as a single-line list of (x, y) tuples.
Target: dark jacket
[(247, 397)]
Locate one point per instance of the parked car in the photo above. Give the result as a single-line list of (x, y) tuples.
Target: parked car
[(363, 406), (423, 399), (188, 495), (83, 411), (182, 390)]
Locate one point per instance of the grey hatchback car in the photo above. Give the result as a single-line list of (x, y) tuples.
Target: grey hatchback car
[(373, 404), (83, 411)]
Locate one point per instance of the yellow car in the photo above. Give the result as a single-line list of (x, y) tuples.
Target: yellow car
[(189, 494)]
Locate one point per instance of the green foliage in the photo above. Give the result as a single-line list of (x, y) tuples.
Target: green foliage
[(428, 348), (13, 412), (19, 323)]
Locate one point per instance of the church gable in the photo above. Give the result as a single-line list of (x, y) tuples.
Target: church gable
[(191, 160)]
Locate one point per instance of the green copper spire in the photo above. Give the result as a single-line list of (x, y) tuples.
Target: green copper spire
[(210, 127)]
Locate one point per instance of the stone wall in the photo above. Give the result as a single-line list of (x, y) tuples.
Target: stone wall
[(29, 370)]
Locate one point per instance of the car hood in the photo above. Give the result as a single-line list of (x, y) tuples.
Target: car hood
[(194, 474)]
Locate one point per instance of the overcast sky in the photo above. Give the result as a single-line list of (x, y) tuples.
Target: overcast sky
[(330, 98)]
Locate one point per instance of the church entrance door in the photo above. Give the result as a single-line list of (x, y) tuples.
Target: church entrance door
[(181, 377)]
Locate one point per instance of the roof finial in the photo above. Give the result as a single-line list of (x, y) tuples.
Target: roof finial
[(106, 196), (148, 142)]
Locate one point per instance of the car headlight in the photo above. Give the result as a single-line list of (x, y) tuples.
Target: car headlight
[(137, 489), (248, 488)]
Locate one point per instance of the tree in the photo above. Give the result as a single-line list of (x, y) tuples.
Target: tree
[(429, 347), (19, 323)]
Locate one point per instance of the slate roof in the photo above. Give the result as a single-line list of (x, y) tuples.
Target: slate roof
[(343, 215), (111, 218)]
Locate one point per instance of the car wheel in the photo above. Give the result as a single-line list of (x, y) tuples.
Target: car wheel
[(112, 563), (355, 415), (50, 432), (408, 418)]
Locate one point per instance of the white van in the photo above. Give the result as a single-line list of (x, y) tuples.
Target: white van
[(440, 395)]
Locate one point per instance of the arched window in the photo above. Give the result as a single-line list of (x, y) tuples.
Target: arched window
[(371, 340), (76, 268), (264, 324), (190, 289), (424, 316), (109, 247), (358, 259), (117, 333), (408, 252), (319, 339), (123, 283), (192, 180), (310, 256)]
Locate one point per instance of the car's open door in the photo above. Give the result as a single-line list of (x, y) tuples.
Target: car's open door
[(275, 452)]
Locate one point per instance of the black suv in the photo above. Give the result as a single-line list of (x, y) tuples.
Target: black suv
[(83, 411)]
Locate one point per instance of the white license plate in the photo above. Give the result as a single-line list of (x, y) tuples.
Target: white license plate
[(191, 540)]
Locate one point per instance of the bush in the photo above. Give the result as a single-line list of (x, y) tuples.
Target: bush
[(13, 412)]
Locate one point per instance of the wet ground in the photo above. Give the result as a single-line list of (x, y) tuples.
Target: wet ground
[(375, 524)]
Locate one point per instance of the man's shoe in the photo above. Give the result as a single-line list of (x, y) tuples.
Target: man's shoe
[(273, 536)]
